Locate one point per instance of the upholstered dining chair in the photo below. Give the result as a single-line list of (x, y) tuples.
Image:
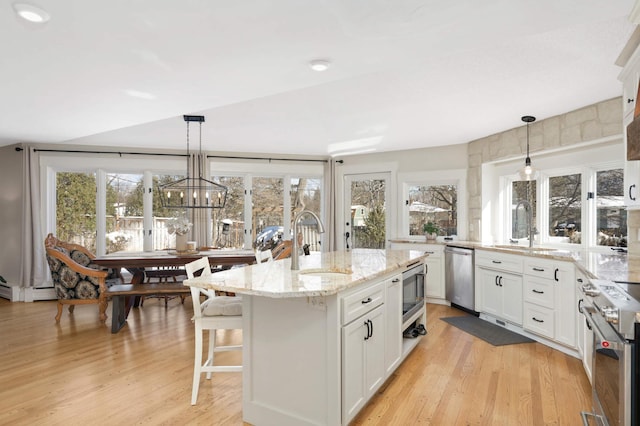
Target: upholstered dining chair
[(214, 313), (76, 279)]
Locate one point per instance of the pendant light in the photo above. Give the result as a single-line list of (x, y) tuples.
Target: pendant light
[(193, 192), (528, 172)]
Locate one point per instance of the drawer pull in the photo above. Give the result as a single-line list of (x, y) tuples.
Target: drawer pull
[(537, 320), (395, 280), (367, 300), (429, 252), (537, 291), (538, 269), (496, 261)]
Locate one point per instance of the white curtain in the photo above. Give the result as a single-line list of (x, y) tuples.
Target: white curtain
[(34, 269), (331, 236)]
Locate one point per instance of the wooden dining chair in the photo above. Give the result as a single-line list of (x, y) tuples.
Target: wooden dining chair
[(214, 313)]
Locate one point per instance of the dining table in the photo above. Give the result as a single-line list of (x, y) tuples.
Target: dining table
[(138, 263), (143, 264)]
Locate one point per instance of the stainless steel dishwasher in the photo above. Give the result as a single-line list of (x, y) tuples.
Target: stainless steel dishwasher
[(459, 277)]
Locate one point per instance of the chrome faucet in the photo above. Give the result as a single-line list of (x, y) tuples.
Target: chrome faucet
[(294, 248), (527, 209)]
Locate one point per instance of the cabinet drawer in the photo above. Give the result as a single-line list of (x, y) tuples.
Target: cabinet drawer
[(501, 261), (361, 302), (539, 320), (539, 291), (539, 268)]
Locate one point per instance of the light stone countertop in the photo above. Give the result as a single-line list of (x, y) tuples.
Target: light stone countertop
[(320, 274), (604, 265)]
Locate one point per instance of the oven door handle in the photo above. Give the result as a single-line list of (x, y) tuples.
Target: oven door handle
[(603, 329)]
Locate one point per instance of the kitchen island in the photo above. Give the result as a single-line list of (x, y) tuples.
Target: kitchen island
[(318, 342)]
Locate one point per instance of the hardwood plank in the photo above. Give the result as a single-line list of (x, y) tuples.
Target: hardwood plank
[(77, 372)]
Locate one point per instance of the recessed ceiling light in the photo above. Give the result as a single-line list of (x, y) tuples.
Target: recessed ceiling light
[(31, 13), (319, 65)]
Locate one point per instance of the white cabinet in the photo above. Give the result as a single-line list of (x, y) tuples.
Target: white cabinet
[(499, 285), (630, 76), (434, 289), (549, 299), (393, 312), (585, 333), (363, 360)]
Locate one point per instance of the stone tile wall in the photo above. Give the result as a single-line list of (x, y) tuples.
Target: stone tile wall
[(580, 126)]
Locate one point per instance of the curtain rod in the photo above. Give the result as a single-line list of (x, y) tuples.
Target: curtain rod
[(121, 153), (170, 155), (264, 158)]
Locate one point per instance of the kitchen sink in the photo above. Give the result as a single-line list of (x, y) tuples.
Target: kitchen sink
[(326, 272), (524, 248)]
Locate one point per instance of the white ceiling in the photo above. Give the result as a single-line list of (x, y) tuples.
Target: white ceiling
[(404, 73)]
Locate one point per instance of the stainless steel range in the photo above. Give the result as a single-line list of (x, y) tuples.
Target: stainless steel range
[(612, 311)]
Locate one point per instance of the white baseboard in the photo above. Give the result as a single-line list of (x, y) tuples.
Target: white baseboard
[(15, 293), (32, 294), (10, 292)]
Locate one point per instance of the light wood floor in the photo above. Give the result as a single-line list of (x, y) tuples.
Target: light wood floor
[(77, 372)]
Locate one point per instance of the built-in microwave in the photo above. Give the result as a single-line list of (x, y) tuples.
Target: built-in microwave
[(412, 290)]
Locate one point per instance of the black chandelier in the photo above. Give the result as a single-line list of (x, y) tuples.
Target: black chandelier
[(193, 192)]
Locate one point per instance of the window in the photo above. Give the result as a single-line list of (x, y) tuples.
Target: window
[(307, 193), (433, 203), (522, 193), (76, 208), (124, 212), (110, 204), (565, 208), (611, 213), (438, 197), (578, 200), (228, 222)]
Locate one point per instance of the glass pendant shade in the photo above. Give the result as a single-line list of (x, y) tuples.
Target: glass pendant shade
[(193, 192), (528, 172)]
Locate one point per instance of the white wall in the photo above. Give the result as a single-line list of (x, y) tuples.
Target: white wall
[(10, 213)]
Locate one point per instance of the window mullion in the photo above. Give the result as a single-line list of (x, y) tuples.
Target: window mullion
[(101, 212)]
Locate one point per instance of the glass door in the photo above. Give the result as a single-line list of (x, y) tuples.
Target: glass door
[(366, 223)]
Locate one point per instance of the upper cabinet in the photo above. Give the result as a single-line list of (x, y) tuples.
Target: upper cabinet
[(630, 77)]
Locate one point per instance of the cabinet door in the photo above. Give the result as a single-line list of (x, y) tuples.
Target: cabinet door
[(585, 333), (353, 362), (374, 351), (511, 286), (435, 278), (393, 319), (491, 293), (565, 326)]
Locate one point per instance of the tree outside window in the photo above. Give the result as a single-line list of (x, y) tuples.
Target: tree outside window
[(611, 213), (433, 203), (565, 207)]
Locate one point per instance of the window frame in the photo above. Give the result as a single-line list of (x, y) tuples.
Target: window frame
[(457, 177), (588, 214), (53, 162)]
